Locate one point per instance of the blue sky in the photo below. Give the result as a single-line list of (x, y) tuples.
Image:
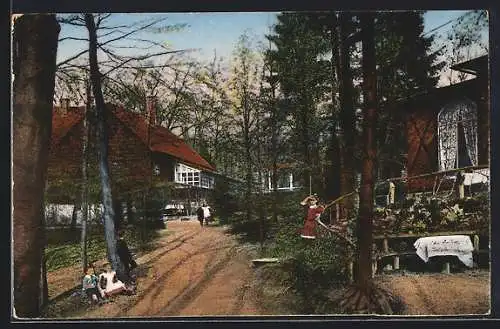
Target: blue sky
[(208, 31)]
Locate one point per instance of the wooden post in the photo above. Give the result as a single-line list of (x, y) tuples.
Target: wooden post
[(446, 268), (374, 267), (476, 242), (386, 245), (396, 262), (351, 271), (392, 192), (460, 185)]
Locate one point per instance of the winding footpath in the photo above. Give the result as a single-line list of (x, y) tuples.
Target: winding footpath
[(193, 272)]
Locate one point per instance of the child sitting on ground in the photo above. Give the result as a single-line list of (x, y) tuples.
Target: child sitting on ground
[(109, 285), (89, 285)]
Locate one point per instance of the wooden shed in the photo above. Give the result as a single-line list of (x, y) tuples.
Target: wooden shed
[(448, 127)]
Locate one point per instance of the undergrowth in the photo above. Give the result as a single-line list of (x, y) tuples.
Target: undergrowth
[(310, 269), (66, 251)]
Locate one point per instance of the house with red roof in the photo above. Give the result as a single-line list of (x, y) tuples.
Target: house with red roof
[(141, 154)]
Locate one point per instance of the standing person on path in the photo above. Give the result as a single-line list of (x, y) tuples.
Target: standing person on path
[(199, 213), (125, 254), (206, 213), (314, 211)]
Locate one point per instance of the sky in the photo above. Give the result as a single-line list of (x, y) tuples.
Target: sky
[(206, 32)]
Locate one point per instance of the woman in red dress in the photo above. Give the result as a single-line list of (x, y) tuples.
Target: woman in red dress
[(314, 211)]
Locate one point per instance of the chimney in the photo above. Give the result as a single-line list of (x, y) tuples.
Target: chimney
[(151, 110), (64, 106)]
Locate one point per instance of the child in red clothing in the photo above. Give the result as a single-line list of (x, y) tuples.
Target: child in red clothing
[(314, 211)]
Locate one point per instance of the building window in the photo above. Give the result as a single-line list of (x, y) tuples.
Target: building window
[(457, 135), (191, 176)]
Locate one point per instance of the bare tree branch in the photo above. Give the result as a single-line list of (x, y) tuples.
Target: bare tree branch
[(110, 41)]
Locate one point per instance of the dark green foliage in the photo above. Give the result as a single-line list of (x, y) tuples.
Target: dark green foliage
[(63, 250), (423, 214), (312, 268)]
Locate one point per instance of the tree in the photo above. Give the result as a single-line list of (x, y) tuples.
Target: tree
[(364, 296), (275, 122), (73, 73), (34, 60), (365, 221), (466, 40), (346, 134), (244, 88), (407, 65), (85, 188), (303, 76), (107, 199)]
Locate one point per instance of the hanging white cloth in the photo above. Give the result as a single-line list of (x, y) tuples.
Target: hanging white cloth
[(476, 177), (445, 245), (464, 111), (469, 124)]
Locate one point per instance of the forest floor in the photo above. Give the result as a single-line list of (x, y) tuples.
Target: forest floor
[(465, 293), (195, 271)]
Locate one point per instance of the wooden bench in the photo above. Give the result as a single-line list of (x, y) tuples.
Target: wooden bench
[(397, 255)]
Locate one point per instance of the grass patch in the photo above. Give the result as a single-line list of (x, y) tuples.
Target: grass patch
[(68, 253)]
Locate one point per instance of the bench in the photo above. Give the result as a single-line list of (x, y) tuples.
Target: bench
[(397, 255)]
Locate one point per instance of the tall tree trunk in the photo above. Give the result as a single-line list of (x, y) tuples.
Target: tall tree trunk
[(347, 132), (249, 178), (261, 203), (117, 206), (130, 212), (34, 55), (306, 154), (274, 174), (333, 166), (364, 296), (365, 221), (248, 154), (74, 218), (44, 288), (84, 192), (107, 199), (274, 144)]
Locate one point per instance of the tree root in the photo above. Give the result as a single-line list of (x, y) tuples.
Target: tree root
[(369, 300)]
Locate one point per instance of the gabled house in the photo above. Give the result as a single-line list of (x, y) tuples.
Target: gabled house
[(140, 153)]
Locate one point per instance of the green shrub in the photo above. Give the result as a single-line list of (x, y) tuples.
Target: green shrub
[(68, 253), (314, 266)]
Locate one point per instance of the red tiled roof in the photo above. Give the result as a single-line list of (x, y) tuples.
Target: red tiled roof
[(162, 140), (62, 124)]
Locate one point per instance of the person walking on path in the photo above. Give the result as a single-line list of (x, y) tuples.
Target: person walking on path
[(206, 213), (125, 254), (199, 214)]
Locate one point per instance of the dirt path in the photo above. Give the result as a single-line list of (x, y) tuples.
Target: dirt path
[(196, 271), (442, 294)]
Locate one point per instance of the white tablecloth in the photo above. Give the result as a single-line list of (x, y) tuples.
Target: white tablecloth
[(445, 245)]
